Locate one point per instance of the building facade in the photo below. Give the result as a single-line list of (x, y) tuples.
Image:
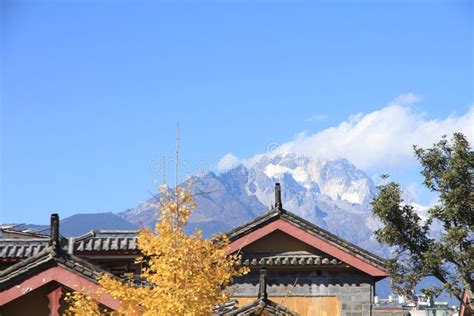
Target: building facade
[(296, 268), (310, 270)]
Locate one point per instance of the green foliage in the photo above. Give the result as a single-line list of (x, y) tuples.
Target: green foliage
[(447, 169)]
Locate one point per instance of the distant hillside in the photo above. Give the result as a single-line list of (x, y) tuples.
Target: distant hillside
[(208, 228), (79, 224)]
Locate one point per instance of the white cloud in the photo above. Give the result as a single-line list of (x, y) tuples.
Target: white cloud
[(317, 118), (227, 162), (406, 99), (379, 139), (382, 138)]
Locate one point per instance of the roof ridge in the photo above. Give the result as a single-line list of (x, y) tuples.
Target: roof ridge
[(24, 239), (116, 236), (94, 232), (271, 213), (86, 235), (116, 231), (26, 233)]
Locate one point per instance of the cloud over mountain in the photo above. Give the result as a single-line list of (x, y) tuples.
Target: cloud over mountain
[(381, 138), (227, 162)]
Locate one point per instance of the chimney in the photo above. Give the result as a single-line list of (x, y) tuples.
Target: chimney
[(278, 204), (54, 239), (262, 290)]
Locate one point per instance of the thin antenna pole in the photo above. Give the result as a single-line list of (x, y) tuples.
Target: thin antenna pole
[(177, 155), (176, 177), (163, 166)]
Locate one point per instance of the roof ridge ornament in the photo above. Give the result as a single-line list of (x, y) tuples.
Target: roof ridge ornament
[(278, 203)]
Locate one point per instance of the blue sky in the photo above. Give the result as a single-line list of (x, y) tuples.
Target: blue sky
[(91, 91)]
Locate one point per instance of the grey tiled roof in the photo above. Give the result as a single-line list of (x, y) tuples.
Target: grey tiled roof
[(105, 244), (21, 248), (255, 308), (226, 307), (259, 307), (106, 241), (47, 258), (100, 241)]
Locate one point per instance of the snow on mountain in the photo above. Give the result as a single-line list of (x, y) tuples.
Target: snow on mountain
[(337, 179), (330, 193)]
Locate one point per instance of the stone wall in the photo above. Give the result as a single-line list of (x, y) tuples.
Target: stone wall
[(353, 289), (395, 311)]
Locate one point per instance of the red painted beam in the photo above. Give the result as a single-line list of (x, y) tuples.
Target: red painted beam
[(54, 301), (309, 239), (61, 275)]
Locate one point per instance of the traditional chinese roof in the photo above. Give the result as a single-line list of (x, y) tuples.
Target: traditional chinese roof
[(225, 308), (17, 244), (279, 219), (53, 255), (294, 258), (106, 240), (13, 248), (47, 258), (102, 241), (16, 232), (261, 306), (52, 264)]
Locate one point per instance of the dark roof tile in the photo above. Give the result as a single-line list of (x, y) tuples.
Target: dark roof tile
[(106, 241), (301, 258), (46, 258), (21, 248)]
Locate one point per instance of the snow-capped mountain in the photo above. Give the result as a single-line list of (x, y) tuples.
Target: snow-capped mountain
[(334, 194)]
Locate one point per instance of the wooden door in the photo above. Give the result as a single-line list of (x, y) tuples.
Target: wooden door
[(305, 306)]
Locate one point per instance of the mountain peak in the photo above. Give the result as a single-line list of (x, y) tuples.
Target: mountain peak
[(333, 194), (338, 179)]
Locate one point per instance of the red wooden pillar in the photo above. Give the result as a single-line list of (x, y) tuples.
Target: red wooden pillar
[(54, 301)]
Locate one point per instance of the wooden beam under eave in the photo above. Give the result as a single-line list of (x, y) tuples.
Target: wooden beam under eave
[(54, 298)]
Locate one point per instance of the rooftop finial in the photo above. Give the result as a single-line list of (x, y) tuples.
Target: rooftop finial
[(278, 204), (262, 290), (54, 238)]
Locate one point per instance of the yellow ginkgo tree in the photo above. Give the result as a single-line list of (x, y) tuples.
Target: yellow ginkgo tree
[(181, 274)]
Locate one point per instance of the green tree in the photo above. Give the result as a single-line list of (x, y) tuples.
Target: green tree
[(447, 169)]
